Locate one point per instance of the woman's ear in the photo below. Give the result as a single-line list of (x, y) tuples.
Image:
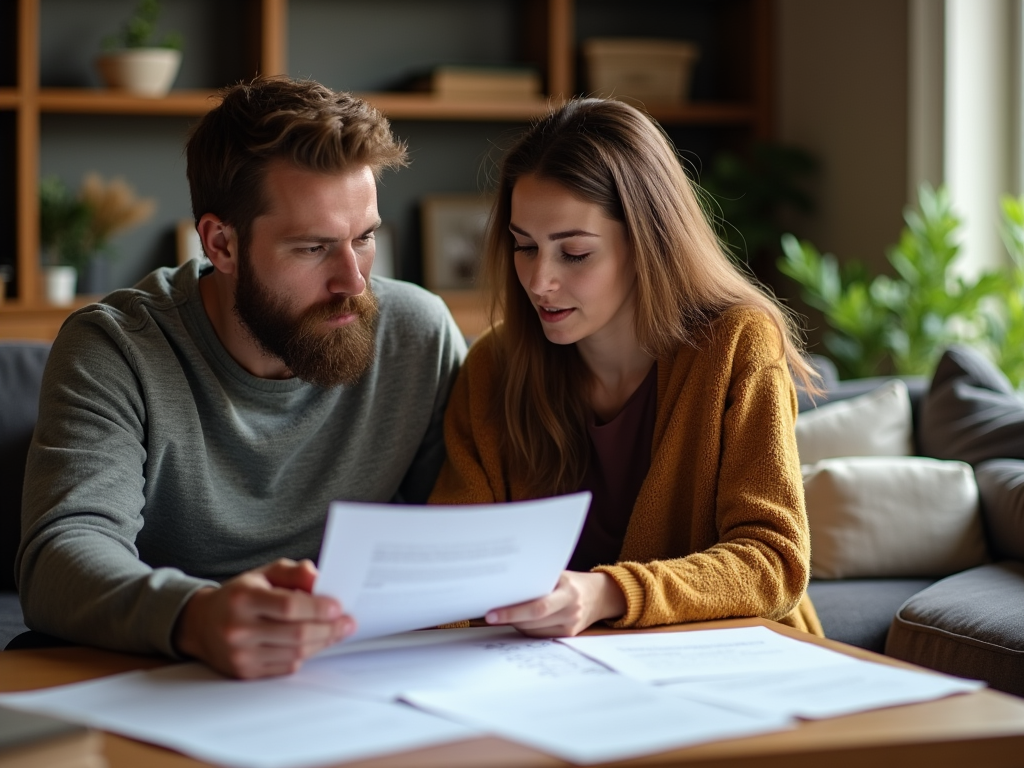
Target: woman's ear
[(220, 243)]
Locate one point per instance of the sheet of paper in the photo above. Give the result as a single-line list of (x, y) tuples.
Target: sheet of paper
[(594, 719), (396, 568), (826, 691), (492, 658), (250, 724), (661, 657)]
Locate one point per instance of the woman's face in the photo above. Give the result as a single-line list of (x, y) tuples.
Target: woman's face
[(574, 264)]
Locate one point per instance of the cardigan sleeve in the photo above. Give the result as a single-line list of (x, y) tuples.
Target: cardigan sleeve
[(735, 494), (471, 473)]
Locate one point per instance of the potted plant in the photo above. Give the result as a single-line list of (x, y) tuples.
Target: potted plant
[(75, 228), (136, 61)]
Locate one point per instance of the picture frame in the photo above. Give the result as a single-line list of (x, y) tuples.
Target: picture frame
[(453, 236)]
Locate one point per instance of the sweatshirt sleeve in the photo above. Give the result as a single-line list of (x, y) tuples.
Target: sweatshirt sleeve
[(79, 572), (754, 553)]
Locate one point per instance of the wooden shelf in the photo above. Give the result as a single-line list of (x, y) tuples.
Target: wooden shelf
[(423, 106), (36, 320), (551, 46), (97, 101), (703, 113)]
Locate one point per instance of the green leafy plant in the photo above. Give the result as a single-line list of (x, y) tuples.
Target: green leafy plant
[(752, 192), (139, 31), (64, 224), (901, 324), (1006, 316), (75, 227)]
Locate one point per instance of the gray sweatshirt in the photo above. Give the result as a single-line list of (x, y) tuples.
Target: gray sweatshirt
[(159, 465)]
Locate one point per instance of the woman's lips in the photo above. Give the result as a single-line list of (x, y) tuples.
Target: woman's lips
[(553, 314)]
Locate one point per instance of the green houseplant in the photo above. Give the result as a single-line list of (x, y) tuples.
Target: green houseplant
[(74, 227), (138, 61), (900, 324)]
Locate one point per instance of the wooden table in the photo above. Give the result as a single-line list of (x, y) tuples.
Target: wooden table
[(985, 728)]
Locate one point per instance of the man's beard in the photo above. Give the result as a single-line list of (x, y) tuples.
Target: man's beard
[(327, 358)]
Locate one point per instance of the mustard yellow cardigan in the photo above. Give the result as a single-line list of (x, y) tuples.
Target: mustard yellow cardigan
[(719, 527)]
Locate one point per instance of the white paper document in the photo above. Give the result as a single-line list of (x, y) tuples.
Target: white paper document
[(828, 691), (662, 657), (396, 568), (594, 719), (753, 669), (251, 724), (489, 658)]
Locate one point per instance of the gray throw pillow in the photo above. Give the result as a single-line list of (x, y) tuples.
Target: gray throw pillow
[(971, 412), (1001, 486)]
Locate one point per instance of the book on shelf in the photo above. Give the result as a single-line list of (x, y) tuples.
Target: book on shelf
[(480, 82), (28, 740)]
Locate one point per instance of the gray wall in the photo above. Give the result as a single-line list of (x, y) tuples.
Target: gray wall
[(842, 94)]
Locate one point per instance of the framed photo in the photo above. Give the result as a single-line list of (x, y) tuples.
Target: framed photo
[(453, 236)]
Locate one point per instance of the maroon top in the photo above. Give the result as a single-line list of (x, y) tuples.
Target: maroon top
[(619, 460)]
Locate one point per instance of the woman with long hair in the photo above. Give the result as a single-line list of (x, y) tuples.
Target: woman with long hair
[(636, 361)]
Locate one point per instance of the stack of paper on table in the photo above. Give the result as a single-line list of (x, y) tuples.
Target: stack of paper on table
[(756, 670)]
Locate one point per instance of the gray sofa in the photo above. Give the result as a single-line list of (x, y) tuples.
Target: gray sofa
[(21, 370), (971, 623)]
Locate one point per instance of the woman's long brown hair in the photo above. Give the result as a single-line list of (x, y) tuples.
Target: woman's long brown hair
[(607, 153)]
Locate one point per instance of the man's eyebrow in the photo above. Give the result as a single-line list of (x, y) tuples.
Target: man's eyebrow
[(556, 235), (311, 238)]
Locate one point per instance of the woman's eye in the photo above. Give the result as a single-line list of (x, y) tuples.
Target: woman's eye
[(574, 258), (523, 248)]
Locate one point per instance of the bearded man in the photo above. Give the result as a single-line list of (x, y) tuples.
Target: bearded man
[(193, 429)]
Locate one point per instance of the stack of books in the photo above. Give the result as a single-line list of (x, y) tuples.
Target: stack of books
[(452, 82), (36, 741)]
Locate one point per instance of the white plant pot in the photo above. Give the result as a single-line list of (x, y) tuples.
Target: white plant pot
[(60, 285), (141, 71)]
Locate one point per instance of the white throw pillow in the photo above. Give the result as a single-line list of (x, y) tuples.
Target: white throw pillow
[(879, 423), (892, 517)]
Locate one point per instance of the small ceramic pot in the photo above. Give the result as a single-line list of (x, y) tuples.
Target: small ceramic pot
[(60, 282), (140, 71)]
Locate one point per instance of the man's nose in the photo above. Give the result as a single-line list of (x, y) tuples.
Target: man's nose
[(345, 278)]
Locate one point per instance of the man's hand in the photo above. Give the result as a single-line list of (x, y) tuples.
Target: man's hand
[(578, 600), (261, 623)]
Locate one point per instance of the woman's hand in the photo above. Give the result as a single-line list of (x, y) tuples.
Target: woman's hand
[(578, 600)]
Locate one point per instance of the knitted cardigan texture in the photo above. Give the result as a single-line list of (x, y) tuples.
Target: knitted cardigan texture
[(719, 527)]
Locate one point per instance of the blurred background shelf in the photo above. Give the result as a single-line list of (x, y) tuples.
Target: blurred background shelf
[(56, 121)]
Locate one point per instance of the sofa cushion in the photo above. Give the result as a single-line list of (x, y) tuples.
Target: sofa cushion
[(971, 412), (970, 624), (859, 611), (1001, 485), (21, 371), (889, 517), (878, 423)]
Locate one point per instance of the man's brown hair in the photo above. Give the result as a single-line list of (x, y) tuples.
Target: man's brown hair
[(271, 118)]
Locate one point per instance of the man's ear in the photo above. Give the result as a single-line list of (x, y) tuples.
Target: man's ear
[(220, 243)]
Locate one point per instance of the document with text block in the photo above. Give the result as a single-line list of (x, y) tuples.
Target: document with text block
[(398, 567)]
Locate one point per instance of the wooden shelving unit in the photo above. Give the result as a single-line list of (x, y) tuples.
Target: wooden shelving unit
[(551, 47)]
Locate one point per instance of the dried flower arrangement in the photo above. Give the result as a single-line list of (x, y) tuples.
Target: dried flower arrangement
[(75, 228)]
